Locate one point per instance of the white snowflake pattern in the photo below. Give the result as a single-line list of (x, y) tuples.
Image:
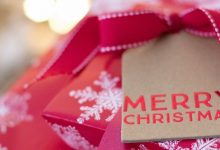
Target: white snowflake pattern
[(109, 98), (199, 144), (13, 110), (171, 145), (140, 147), (3, 147), (206, 144), (72, 137)]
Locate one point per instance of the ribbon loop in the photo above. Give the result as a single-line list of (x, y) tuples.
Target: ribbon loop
[(120, 31)]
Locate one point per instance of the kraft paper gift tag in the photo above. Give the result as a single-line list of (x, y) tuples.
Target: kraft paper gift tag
[(171, 89)]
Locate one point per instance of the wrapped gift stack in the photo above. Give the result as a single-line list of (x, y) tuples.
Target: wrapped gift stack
[(138, 75)]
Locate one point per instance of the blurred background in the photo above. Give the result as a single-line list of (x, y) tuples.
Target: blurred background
[(28, 28)]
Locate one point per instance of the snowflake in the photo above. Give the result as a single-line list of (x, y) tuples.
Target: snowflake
[(72, 137), (140, 147), (206, 144), (3, 148), (13, 110), (171, 145), (200, 144), (109, 98)]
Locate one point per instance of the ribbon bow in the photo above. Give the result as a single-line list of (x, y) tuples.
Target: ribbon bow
[(131, 29), (124, 30)]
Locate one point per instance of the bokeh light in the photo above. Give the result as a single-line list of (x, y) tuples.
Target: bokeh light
[(67, 14), (62, 15), (38, 10)]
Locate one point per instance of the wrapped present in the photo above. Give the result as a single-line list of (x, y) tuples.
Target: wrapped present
[(82, 110), (83, 80)]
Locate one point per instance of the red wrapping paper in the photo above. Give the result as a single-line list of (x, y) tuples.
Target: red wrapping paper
[(117, 32), (89, 102)]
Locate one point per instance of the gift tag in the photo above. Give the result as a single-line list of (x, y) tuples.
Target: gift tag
[(171, 89)]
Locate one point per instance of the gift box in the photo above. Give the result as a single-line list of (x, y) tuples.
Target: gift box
[(83, 80), (80, 113)]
